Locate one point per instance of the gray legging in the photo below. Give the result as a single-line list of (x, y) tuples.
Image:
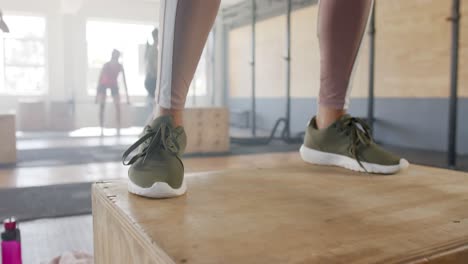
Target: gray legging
[(185, 25)]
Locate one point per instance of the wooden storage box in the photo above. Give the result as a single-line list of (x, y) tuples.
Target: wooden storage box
[(207, 130)]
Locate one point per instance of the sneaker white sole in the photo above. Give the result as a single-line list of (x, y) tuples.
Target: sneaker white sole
[(159, 190), (329, 159)]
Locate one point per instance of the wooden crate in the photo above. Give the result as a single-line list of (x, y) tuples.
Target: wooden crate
[(296, 213), (207, 130), (7, 139)]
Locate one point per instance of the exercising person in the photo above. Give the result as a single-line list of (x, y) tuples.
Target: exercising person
[(332, 137), (108, 79)]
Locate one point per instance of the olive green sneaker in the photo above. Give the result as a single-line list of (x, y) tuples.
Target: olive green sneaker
[(157, 170), (348, 143)]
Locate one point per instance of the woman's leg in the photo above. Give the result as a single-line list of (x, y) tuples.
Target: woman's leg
[(157, 170), (333, 137), (341, 27), (184, 28), (117, 112), (101, 100)]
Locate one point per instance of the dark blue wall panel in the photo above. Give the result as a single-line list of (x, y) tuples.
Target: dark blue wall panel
[(417, 123)]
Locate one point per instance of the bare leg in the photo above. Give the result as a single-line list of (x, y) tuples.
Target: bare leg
[(185, 25), (349, 143), (157, 170), (117, 113), (102, 105), (341, 27), (177, 115)]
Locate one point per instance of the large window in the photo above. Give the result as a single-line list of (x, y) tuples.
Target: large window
[(22, 51), (130, 39), (199, 84)]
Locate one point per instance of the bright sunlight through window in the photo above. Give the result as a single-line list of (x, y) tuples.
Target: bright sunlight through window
[(23, 71)]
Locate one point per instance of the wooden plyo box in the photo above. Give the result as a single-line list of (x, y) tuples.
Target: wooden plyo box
[(293, 214), (207, 130), (7, 139)]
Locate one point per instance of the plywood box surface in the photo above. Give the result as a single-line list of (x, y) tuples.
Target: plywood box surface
[(294, 213), (207, 130)]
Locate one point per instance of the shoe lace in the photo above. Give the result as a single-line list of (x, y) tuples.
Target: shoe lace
[(153, 139), (360, 134)]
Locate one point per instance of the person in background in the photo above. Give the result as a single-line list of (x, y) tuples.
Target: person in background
[(151, 63), (3, 25), (108, 79), (151, 59)]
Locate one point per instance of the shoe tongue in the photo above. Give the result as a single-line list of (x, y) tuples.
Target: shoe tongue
[(179, 129), (343, 118), (156, 123)]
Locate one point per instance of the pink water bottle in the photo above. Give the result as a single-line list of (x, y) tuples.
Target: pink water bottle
[(11, 242)]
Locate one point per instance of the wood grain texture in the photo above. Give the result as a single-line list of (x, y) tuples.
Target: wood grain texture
[(207, 130), (239, 52), (92, 172), (270, 75), (117, 239), (296, 213), (7, 139), (413, 48)]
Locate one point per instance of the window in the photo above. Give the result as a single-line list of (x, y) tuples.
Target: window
[(23, 71), (130, 39), (199, 84)]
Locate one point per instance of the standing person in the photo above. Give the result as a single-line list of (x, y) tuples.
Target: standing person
[(3, 25), (108, 79), (332, 137), (151, 59)]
